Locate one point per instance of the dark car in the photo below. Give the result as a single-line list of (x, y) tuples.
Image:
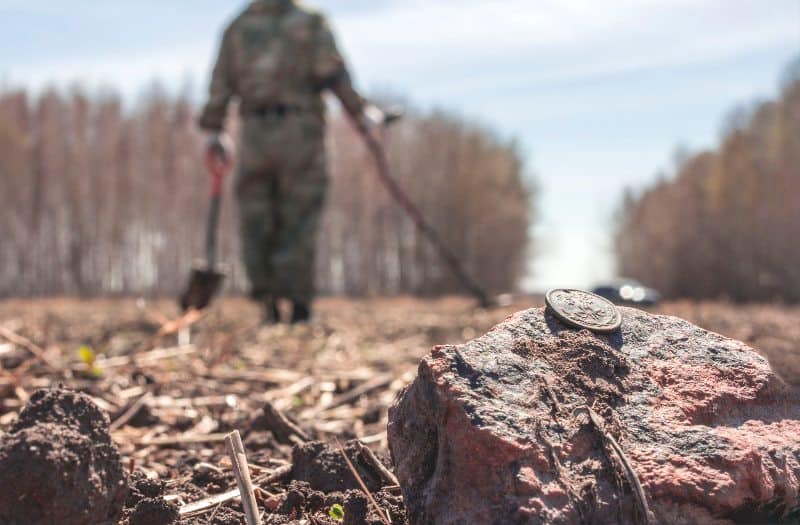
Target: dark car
[(628, 292)]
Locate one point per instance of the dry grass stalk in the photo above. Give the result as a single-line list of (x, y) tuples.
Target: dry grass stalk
[(206, 504), (242, 473), (145, 357), (365, 388), (181, 440)]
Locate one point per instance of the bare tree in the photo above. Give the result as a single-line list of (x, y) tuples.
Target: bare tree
[(97, 201), (726, 225)]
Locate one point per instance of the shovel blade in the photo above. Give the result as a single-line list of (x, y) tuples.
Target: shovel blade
[(204, 284)]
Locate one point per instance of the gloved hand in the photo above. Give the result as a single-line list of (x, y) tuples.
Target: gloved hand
[(375, 117), (219, 151)]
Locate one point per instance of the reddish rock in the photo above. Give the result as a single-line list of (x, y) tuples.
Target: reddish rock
[(498, 431)]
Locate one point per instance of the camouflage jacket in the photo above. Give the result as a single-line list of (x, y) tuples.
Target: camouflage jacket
[(277, 53)]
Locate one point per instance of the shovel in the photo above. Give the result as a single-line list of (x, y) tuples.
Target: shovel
[(206, 279)]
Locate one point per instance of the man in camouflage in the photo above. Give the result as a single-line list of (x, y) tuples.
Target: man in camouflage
[(277, 57)]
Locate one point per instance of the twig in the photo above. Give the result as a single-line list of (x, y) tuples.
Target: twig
[(242, 473), (28, 345), (206, 504), (269, 375), (292, 390), (21, 394), (384, 472), (130, 413), (284, 430), (145, 357), (216, 509), (181, 440), (378, 509), (630, 474), (351, 396), (548, 389), (374, 438), (360, 390)]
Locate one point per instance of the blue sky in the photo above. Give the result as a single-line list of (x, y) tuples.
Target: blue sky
[(599, 92)]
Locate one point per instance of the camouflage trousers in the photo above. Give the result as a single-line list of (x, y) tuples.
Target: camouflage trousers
[(281, 186)]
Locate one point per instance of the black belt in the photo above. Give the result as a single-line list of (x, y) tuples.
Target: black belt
[(273, 110)]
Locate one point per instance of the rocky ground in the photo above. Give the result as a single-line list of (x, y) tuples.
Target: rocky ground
[(172, 390)]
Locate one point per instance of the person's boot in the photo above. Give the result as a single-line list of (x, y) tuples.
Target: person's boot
[(271, 313), (301, 312)]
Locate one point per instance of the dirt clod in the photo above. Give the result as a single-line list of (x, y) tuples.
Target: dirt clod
[(226, 516), (323, 467), (356, 508), (141, 487), (154, 511), (66, 408), (57, 465)]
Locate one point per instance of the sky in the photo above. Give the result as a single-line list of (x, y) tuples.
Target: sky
[(599, 93)]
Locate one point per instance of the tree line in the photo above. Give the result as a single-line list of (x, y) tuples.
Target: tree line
[(100, 199), (727, 224)]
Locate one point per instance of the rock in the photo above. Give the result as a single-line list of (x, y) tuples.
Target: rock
[(498, 430), (58, 465)]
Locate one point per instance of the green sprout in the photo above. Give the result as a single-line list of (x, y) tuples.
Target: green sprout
[(88, 356), (297, 402), (336, 512)]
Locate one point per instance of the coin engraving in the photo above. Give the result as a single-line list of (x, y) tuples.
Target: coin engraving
[(582, 309)]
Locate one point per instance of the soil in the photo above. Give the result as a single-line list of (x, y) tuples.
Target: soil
[(189, 395), (66, 408), (321, 466), (57, 464), (154, 511)]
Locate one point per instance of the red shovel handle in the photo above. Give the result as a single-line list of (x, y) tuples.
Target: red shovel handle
[(218, 166)]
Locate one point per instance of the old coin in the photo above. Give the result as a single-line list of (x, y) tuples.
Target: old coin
[(581, 309)]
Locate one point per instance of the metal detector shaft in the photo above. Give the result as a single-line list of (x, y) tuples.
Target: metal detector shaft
[(447, 255)]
